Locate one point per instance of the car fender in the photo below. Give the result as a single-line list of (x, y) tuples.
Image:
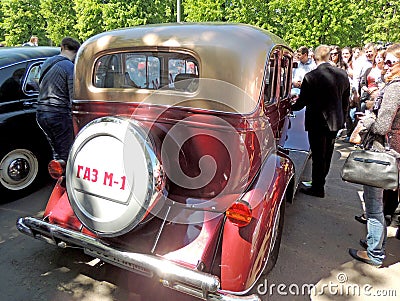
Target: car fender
[(246, 249)]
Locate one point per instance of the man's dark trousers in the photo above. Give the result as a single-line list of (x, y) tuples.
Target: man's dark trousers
[(322, 142), (59, 131)]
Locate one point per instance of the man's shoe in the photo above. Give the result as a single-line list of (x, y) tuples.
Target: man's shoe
[(363, 243), (313, 192), (355, 254), (361, 219)]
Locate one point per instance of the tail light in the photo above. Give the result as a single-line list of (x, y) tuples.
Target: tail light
[(56, 168), (239, 213)]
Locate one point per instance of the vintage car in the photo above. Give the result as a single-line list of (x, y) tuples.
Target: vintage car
[(24, 150), (182, 164)]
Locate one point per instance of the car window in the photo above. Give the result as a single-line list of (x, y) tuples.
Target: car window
[(271, 78), (31, 84), (285, 76), (145, 70), (11, 78)]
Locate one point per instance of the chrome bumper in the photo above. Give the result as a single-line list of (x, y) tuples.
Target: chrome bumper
[(185, 280)]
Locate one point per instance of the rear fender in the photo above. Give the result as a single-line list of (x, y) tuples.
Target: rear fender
[(245, 250), (58, 210)]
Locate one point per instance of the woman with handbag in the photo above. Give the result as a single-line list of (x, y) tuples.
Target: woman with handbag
[(386, 123)]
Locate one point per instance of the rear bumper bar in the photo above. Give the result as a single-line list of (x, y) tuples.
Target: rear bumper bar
[(193, 282)]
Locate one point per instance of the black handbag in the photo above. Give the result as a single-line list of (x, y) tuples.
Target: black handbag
[(377, 168)]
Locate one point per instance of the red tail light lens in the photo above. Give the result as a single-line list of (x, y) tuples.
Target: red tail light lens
[(56, 168), (239, 213)]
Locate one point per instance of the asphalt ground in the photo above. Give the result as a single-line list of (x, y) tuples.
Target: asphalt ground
[(314, 263)]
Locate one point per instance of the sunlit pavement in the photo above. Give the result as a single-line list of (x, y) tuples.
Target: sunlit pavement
[(314, 263), (354, 280)]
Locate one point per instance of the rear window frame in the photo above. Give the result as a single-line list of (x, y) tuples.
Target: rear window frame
[(165, 82)]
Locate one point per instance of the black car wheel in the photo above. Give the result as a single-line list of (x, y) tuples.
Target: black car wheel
[(19, 171)]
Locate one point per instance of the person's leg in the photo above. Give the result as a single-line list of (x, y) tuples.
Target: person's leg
[(330, 138), (390, 203), (59, 130), (63, 135), (350, 122), (376, 226), (322, 145), (317, 146), (42, 119)]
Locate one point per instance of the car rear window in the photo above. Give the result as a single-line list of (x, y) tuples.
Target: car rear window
[(146, 70)]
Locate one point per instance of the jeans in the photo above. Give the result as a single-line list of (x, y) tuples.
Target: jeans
[(59, 132), (376, 225)]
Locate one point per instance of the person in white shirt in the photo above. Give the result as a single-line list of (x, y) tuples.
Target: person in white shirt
[(361, 65), (305, 65)]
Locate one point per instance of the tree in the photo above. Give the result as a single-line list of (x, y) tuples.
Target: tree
[(204, 10), (1, 18), (89, 18), (314, 22), (384, 19), (22, 20), (299, 22), (60, 19), (249, 12)]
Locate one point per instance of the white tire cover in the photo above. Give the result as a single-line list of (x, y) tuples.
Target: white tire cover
[(112, 176)]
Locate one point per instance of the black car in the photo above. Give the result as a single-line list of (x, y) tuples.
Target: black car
[(24, 149)]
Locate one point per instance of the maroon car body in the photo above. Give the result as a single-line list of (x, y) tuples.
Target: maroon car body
[(184, 156)]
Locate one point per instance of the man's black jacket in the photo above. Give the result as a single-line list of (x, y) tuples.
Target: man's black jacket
[(325, 93)]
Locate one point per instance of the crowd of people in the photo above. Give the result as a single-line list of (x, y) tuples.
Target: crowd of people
[(340, 89)]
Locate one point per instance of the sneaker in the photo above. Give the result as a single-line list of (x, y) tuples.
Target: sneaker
[(307, 183)]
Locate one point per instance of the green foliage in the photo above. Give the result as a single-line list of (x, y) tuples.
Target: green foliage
[(1, 22), (21, 21), (60, 19), (384, 22), (204, 10), (299, 22), (89, 18)]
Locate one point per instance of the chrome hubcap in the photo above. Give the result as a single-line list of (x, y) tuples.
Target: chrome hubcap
[(18, 169)]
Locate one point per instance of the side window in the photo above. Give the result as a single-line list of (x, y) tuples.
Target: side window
[(10, 82), (285, 76), (154, 72), (31, 84), (271, 78), (144, 70)]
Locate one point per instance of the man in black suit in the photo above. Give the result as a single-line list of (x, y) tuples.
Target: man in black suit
[(325, 93)]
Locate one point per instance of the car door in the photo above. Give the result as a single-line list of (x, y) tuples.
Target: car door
[(293, 137), (11, 78)]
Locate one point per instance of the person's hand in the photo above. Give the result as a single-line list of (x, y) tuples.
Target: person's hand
[(297, 84), (360, 116)]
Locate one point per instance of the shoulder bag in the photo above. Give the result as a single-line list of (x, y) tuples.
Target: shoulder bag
[(372, 167)]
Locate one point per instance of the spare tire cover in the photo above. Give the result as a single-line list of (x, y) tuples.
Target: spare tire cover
[(113, 176)]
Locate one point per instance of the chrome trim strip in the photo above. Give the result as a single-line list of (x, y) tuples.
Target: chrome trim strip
[(196, 283)]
